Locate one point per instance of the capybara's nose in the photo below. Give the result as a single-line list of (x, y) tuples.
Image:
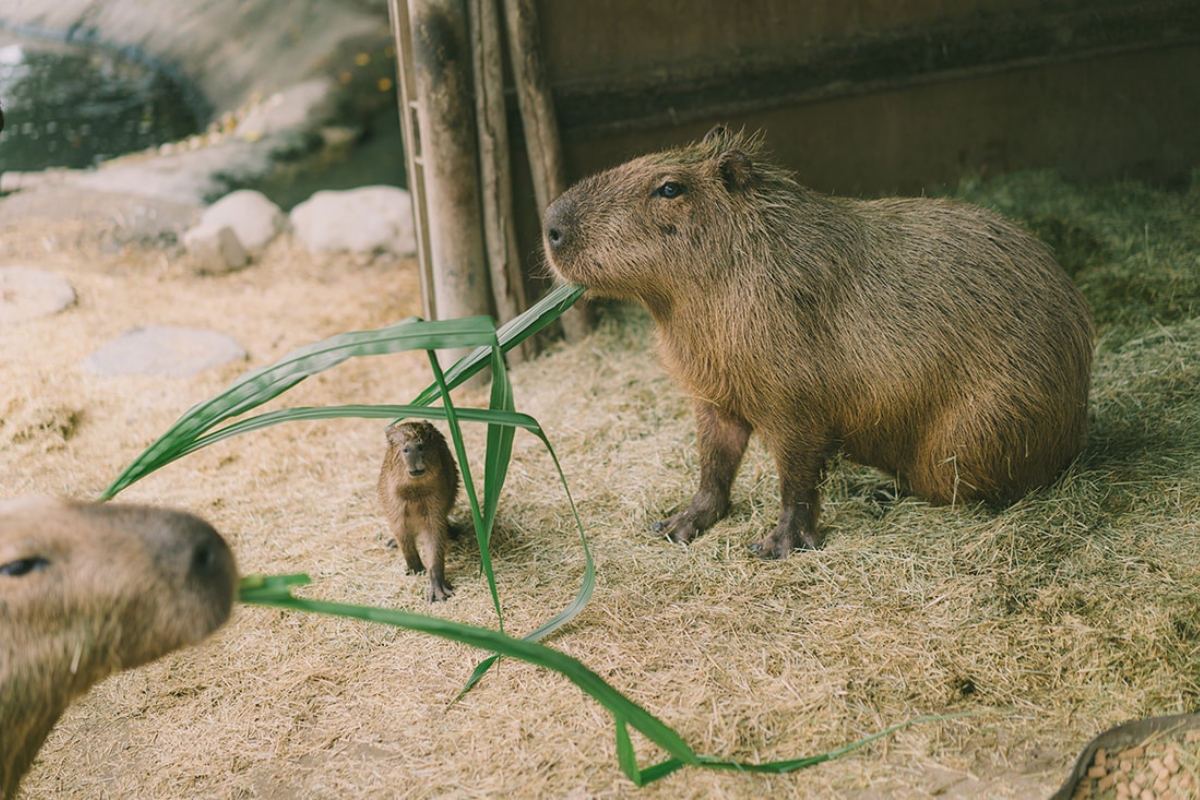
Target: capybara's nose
[(557, 223), (210, 556)]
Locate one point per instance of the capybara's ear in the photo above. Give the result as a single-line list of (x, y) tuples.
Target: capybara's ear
[(715, 135), (736, 169)]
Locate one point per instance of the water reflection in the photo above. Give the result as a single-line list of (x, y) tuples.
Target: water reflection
[(73, 106)]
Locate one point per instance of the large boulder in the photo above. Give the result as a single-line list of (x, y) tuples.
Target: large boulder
[(366, 220)]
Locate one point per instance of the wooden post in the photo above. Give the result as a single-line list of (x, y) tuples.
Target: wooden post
[(542, 140), (495, 172), (446, 146), (406, 88)]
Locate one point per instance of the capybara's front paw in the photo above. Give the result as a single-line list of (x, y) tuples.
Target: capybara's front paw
[(679, 528), (440, 591), (685, 526), (783, 541), (694, 520)]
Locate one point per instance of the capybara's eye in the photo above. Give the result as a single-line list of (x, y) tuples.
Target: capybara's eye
[(23, 566), (670, 189)]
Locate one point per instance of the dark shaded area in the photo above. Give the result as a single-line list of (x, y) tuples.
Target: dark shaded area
[(73, 106)]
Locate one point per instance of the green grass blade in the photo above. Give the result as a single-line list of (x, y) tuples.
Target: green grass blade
[(261, 385), (510, 334), (275, 592), (626, 757), (499, 442), (507, 419), (464, 467)]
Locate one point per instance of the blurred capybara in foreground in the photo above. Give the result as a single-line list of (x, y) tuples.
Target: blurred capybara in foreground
[(87, 590), (417, 487), (929, 338)]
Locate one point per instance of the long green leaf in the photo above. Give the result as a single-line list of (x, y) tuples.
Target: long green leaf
[(510, 334), (481, 533), (266, 383), (195, 429), (276, 592)]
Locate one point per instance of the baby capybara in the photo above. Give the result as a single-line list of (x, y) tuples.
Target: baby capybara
[(87, 590), (931, 339), (417, 487)]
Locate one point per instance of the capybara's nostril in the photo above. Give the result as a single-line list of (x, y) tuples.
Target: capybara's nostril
[(204, 559), (554, 236)]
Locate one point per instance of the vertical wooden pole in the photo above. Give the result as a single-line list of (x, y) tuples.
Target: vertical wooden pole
[(446, 115), (414, 162), (542, 140), (495, 172), (446, 147)]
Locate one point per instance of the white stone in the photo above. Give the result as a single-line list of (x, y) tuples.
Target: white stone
[(163, 351), (369, 219), (254, 218), (30, 293)]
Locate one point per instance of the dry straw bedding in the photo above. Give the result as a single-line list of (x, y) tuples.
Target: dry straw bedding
[(1075, 609)]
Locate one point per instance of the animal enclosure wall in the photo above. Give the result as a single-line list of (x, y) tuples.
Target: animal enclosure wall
[(870, 97)]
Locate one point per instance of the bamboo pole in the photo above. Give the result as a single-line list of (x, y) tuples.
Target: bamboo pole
[(406, 88), (446, 142), (542, 142), (495, 169)]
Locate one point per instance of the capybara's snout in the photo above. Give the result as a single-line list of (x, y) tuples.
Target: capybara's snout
[(205, 564), (558, 223), (88, 589)]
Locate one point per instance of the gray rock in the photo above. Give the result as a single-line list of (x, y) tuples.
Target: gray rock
[(30, 293), (163, 351), (215, 251), (365, 220)]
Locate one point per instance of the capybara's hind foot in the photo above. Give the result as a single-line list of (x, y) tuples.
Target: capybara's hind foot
[(782, 541), (886, 492), (440, 591)]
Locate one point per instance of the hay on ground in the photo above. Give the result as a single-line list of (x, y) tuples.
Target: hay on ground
[(1075, 609)]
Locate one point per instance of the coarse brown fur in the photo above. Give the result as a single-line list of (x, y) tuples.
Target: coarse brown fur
[(417, 487), (87, 590), (932, 339)]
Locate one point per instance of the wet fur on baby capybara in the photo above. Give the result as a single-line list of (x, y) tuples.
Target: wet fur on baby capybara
[(417, 487), (90, 589), (932, 339)]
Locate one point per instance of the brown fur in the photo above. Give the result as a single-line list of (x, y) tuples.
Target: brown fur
[(87, 590), (417, 487), (931, 339)]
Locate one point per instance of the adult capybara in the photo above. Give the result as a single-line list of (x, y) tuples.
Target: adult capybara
[(931, 339), (417, 486), (87, 590)]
